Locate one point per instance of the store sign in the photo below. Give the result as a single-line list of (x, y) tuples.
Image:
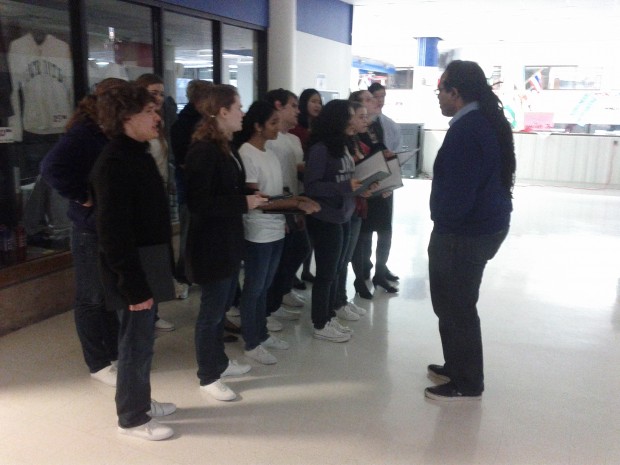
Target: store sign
[(537, 121), (6, 135)]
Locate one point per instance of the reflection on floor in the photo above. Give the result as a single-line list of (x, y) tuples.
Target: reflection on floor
[(550, 314)]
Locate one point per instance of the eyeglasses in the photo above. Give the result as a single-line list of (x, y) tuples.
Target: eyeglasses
[(439, 89)]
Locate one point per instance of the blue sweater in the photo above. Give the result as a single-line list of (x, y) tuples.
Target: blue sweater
[(327, 180), (67, 166), (467, 196)]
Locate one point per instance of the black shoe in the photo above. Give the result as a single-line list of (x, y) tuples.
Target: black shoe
[(382, 282), (229, 338), (438, 374), (390, 276), (307, 276), (449, 393), (362, 290), (299, 284), (369, 266)]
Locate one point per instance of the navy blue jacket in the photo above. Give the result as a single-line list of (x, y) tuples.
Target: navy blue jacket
[(467, 197), (67, 166), (327, 180)]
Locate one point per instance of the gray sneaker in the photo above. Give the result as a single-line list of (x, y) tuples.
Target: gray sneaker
[(340, 327), (151, 431), (330, 333), (262, 355)]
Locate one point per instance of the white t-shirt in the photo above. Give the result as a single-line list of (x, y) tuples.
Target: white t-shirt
[(287, 148), (262, 168)]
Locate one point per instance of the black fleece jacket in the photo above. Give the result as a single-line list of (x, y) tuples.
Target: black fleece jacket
[(132, 211)]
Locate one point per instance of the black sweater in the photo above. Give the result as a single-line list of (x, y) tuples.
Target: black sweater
[(132, 211), (216, 201)]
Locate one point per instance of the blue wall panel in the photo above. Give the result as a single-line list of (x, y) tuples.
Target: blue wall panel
[(249, 11), (330, 19)]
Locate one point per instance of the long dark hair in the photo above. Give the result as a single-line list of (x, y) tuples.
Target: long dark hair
[(258, 113), (469, 79), (304, 98), (330, 126)]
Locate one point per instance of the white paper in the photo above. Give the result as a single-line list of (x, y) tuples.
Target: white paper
[(371, 165)]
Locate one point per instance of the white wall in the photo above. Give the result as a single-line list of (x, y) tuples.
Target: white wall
[(316, 55), (560, 159)]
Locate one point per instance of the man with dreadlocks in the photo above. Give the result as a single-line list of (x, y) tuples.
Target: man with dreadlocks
[(470, 204)]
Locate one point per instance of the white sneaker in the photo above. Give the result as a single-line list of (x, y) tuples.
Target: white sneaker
[(285, 314), (236, 369), (273, 324), (330, 333), (152, 431), (340, 327), (161, 409), (106, 375), (291, 300), (357, 309), (275, 343), (163, 325), (219, 391), (181, 290), (345, 313), (233, 312), (262, 355)]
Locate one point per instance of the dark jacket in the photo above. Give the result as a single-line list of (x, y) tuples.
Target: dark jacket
[(216, 201), (132, 211), (180, 139), (467, 196), (67, 166)]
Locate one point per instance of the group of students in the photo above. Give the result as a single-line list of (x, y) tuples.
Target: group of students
[(238, 181)]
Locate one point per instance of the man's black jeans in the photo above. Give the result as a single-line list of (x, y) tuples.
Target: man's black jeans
[(456, 265)]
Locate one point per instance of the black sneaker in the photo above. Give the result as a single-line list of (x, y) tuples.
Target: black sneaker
[(438, 374), (449, 393)]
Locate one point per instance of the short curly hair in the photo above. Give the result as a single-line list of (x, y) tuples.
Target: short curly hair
[(119, 104)]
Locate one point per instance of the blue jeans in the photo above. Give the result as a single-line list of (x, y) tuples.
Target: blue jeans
[(135, 353), (456, 265), (330, 242), (260, 267), (96, 327), (341, 289), (215, 299)]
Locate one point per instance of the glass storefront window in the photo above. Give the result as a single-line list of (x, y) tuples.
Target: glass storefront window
[(36, 102), (188, 53), (238, 61), (120, 40)]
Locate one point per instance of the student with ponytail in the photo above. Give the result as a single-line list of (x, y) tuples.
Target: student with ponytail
[(217, 198)]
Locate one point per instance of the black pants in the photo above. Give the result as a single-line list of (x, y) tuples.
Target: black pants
[(456, 265), (296, 249), (330, 243)]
